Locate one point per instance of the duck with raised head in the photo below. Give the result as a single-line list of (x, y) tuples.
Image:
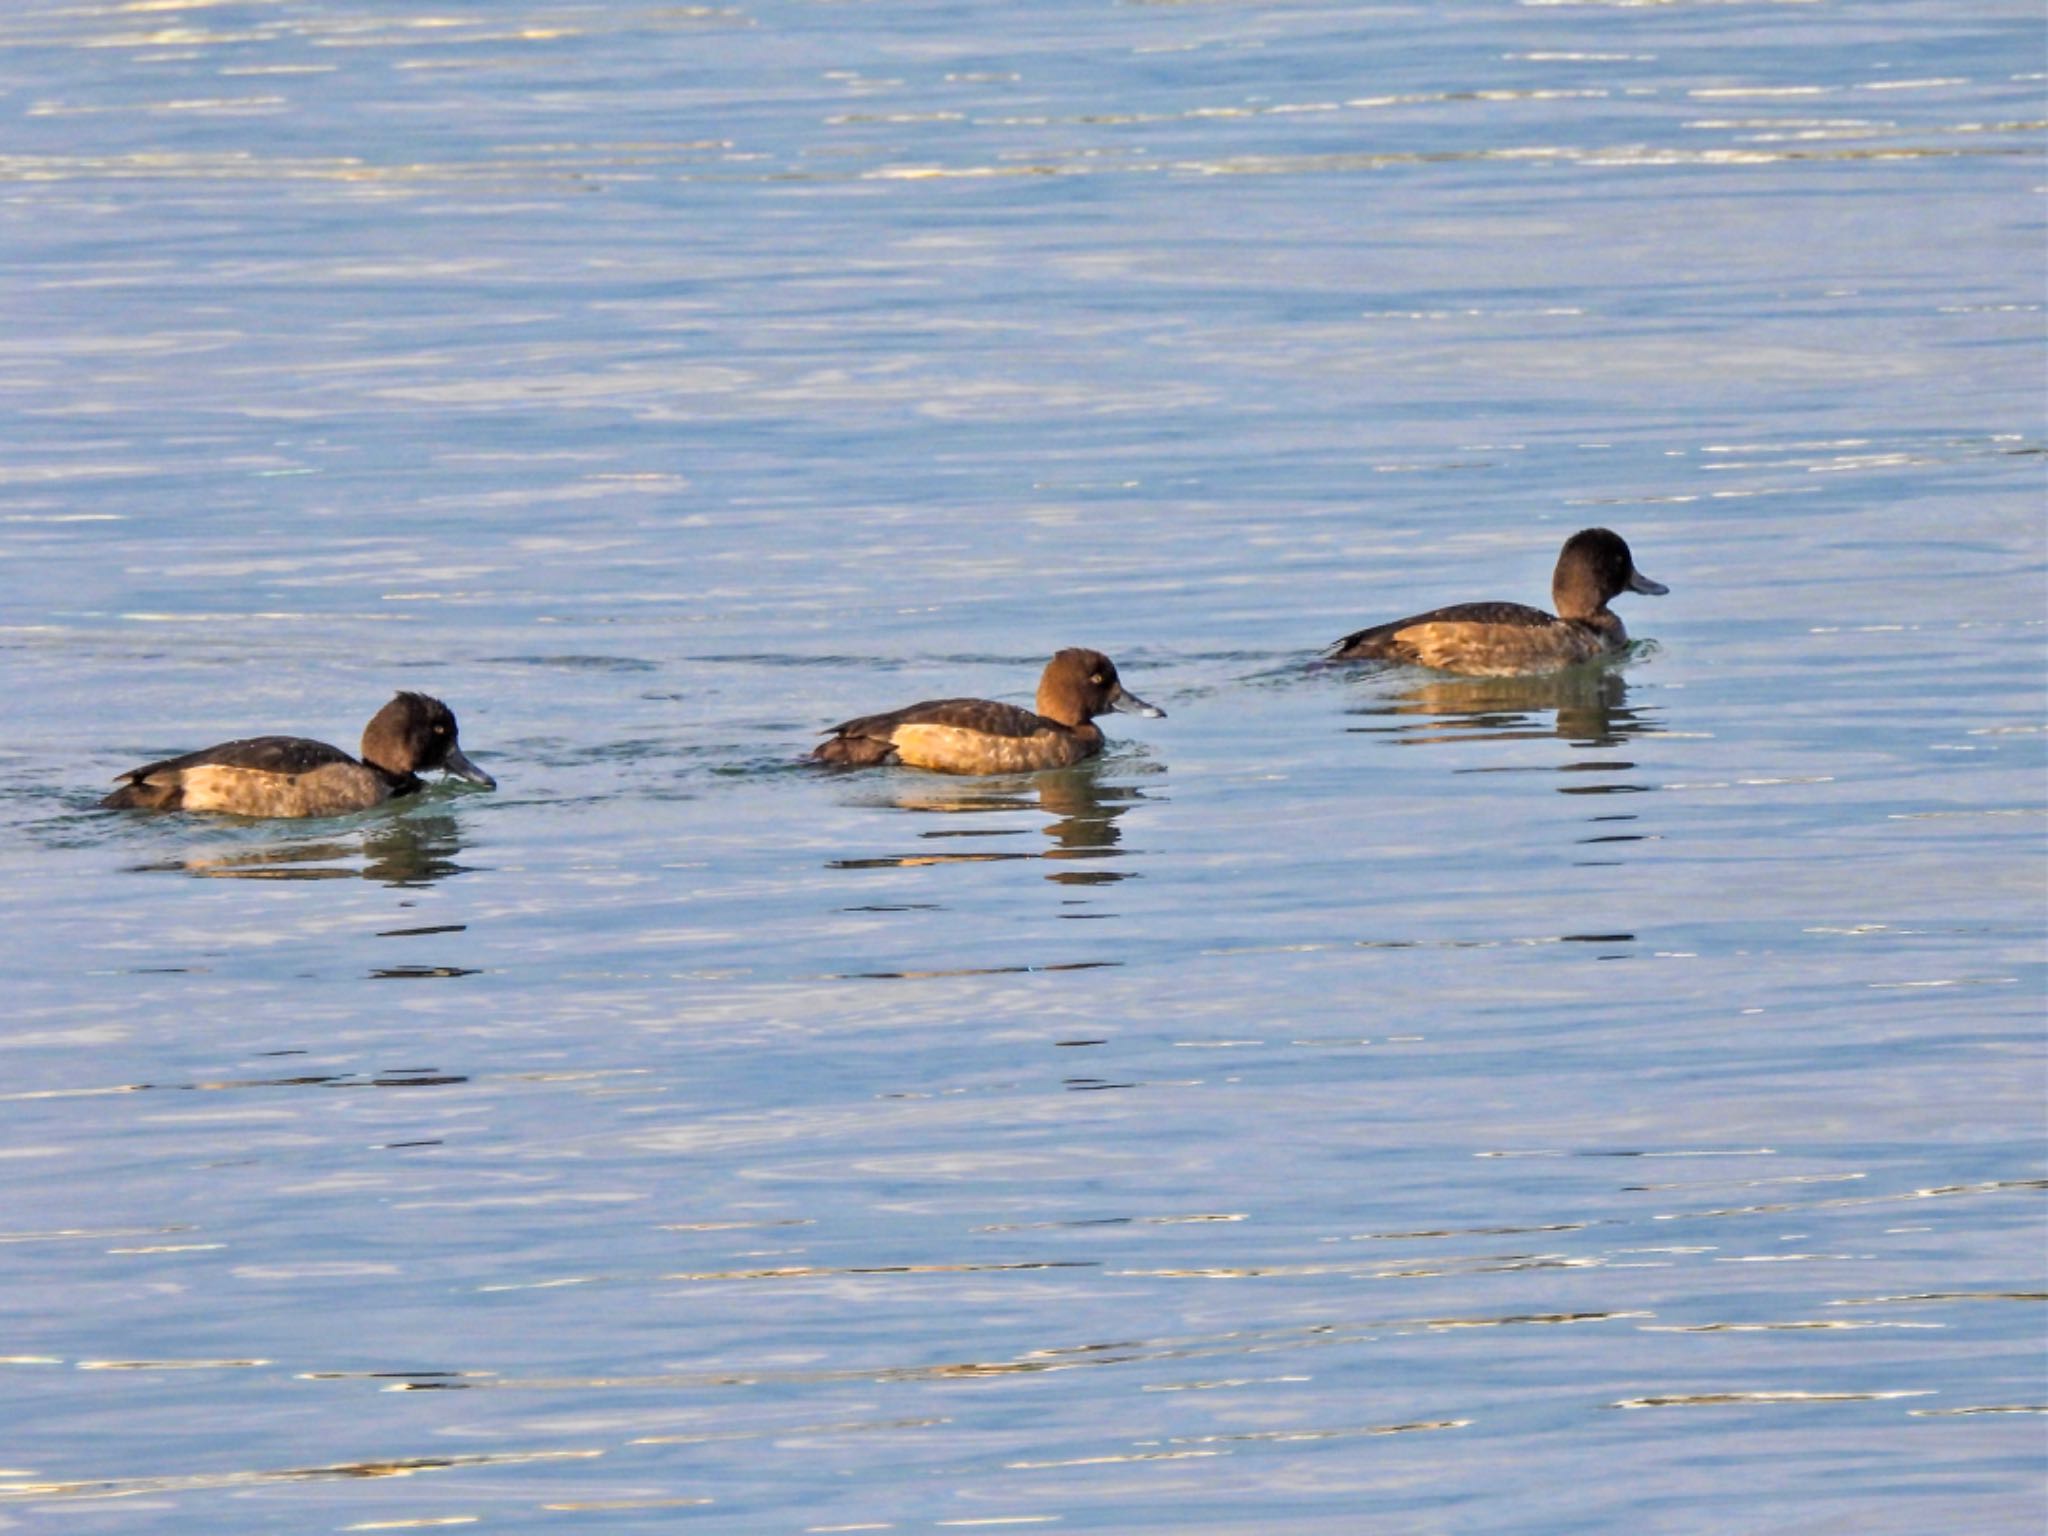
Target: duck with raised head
[(1509, 639), (982, 736), (292, 776)]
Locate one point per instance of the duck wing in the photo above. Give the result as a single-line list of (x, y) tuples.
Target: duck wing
[(982, 715), (1380, 641), (288, 755), (875, 739)]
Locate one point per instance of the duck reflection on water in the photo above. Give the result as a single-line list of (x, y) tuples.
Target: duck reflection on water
[(1588, 706), (402, 851), (1584, 707), (1083, 807)]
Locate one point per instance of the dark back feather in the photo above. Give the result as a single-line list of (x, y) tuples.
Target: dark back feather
[(258, 754), (1377, 640), (984, 715)]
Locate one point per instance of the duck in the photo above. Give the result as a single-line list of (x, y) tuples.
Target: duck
[(981, 736), (278, 776), (1512, 639)]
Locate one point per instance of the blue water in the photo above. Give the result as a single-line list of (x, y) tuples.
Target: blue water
[(1601, 1102)]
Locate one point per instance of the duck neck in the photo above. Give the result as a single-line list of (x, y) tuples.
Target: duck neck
[(1575, 593), (399, 783), (1060, 708)]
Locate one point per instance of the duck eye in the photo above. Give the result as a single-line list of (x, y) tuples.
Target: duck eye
[(1096, 678), (440, 730)]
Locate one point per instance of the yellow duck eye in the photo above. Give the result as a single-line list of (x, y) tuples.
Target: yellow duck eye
[(1096, 678)]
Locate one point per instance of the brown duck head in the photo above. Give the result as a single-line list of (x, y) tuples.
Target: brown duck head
[(415, 733), (1078, 685), (1594, 566)]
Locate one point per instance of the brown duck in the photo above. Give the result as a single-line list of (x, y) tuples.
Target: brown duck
[(292, 776), (982, 736), (1507, 639)]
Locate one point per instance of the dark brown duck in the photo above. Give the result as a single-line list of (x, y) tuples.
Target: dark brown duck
[(982, 736), (292, 776), (1507, 639)]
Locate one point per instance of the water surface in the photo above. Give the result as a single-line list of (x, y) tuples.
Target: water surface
[(1609, 1101)]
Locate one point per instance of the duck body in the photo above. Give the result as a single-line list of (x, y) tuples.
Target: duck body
[(1511, 639), (260, 776), (961, 736), (293, 776), (1486, 640), (982, 736)]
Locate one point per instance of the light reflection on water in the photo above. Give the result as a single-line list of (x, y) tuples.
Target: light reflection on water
[(1084, 812), (1587, 706), (1621, 1111), (407, 850)]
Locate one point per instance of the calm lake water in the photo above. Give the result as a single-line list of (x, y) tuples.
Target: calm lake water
[(1607, 1102)]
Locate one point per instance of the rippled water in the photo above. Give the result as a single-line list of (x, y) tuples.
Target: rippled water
[(1603, 1102)]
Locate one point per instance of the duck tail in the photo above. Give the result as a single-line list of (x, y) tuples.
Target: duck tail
[(854, 752), (1374, 644), (146, 795)]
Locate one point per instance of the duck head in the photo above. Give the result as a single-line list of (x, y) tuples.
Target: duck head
[(1078, 685), (1594, 566), (415, 733)]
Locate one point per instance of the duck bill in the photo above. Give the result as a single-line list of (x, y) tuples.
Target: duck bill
[(1638, 582), (458, 766), (1128, 703)]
